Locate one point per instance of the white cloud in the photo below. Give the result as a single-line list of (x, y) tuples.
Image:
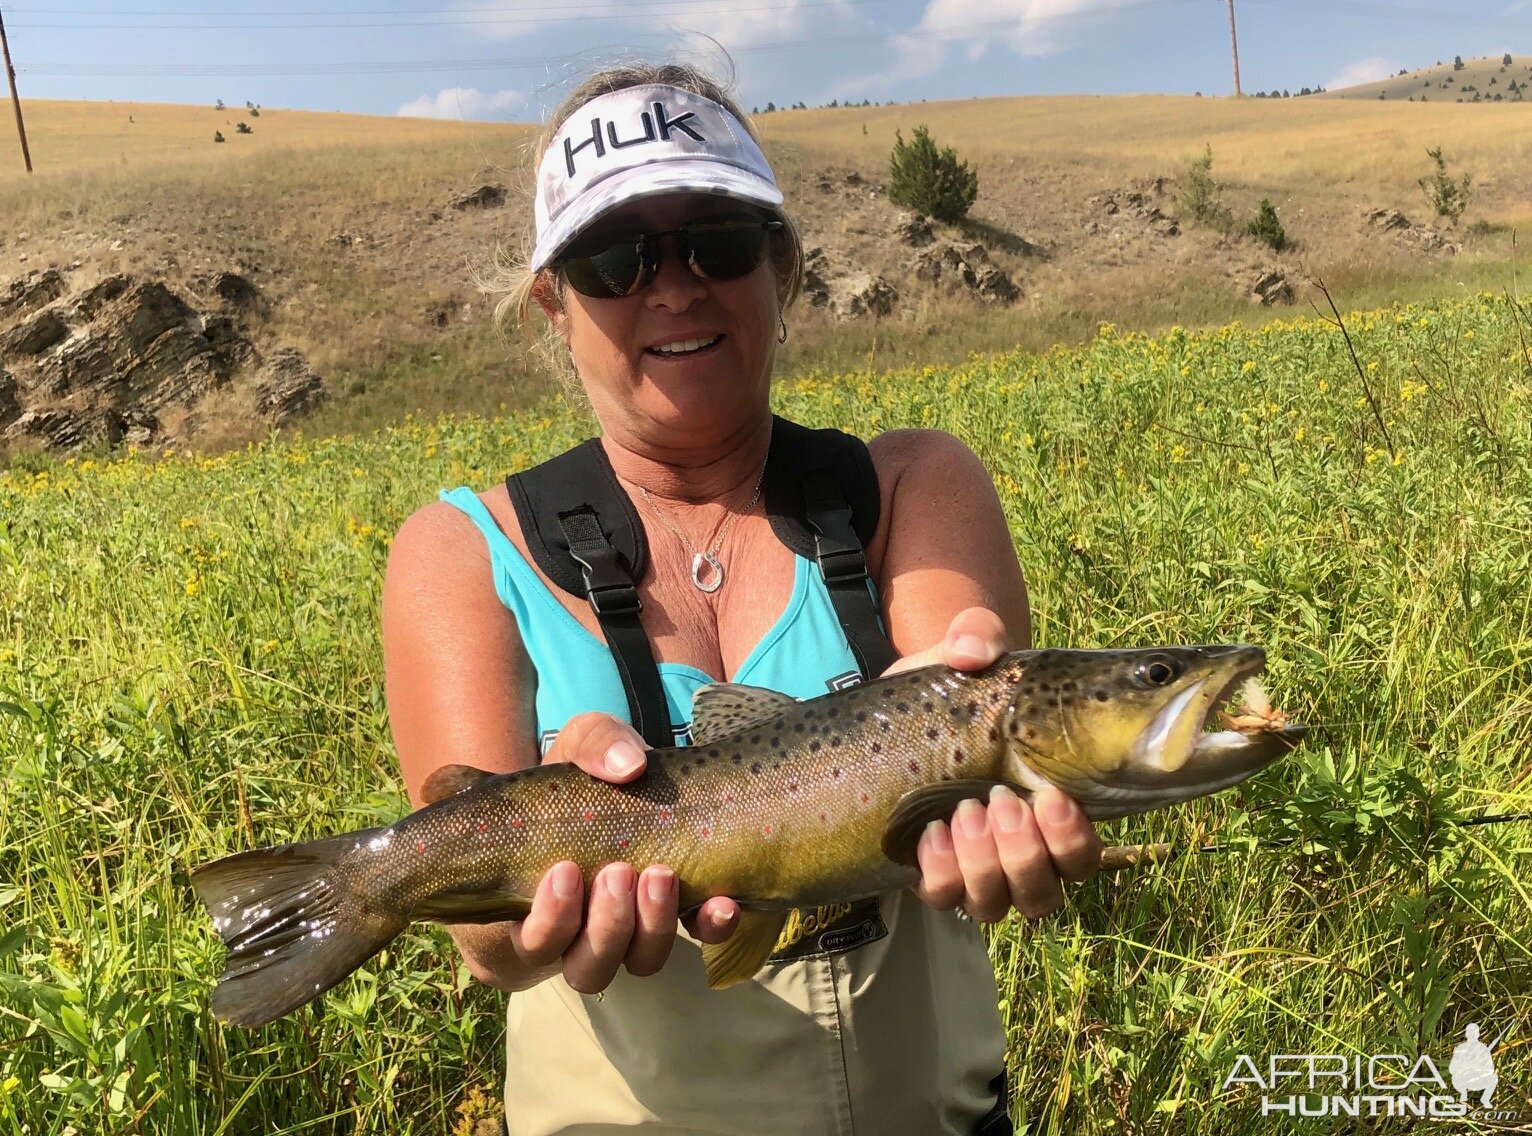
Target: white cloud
[(1363, 71), (1028, 27), (915, 57), (462, 102)]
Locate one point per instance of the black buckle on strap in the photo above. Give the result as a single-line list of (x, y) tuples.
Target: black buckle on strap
[(609, 589)]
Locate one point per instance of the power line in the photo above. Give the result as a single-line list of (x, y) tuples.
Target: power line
[(543, 60)]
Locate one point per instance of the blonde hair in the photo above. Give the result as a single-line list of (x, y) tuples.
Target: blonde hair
[(512, 279)]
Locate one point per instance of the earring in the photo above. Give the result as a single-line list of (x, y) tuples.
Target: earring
[(782, 335)]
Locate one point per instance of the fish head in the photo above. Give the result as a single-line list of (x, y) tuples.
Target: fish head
[(1125, 731)]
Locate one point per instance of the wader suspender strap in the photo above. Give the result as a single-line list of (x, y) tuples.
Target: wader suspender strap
[(614, 598), (843, 565)]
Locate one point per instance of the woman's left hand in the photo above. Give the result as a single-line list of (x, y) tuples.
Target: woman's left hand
[(1005, 852)]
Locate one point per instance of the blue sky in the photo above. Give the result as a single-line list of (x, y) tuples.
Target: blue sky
[(509, 60)]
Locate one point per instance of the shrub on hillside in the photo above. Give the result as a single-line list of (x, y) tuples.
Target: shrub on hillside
[(1265, 227), (934, 183), (1447, 195), (243, 128), (1200, 197)]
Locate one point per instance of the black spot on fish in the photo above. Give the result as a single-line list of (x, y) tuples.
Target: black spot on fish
[(797, 727), (813, 747), (928, 706), (755, 767), (933, 733), (875, 748), (832, 712), (834, 742), (737, 758), (755, 739), (1100, 696), (776, 743), (994, 733), (1052, 702), (1068, 687), (861, 715), (710, 753), (888, 692), (957, 756), (1031, 734), (902, 707)]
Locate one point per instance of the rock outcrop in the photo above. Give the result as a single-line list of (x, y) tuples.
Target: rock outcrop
[(124, 359)]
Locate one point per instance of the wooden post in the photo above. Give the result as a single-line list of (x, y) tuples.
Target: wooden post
[(10, 74), (1234, 44)]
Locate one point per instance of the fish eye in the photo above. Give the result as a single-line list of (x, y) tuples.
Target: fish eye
[(1159, 671)]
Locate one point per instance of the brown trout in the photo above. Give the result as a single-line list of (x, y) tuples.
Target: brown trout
[(779, 804)]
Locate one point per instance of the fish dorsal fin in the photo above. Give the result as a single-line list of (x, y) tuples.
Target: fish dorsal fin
[(738, 957), (919, 807), (450, 780), (723, 708)]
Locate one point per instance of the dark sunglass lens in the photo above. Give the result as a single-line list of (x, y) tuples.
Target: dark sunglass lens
[(725, 253), (606, 273)]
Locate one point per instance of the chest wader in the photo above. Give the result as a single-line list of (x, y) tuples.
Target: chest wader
[(821, 495)]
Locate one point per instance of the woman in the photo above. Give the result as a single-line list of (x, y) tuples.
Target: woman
[(663, 262)]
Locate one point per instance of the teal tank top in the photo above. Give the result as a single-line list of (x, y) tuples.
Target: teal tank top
[(804, 654)]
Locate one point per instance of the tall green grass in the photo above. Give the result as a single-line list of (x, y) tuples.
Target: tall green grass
[(189, 665)]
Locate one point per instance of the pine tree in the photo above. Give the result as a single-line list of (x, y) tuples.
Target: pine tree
[(934, 183)]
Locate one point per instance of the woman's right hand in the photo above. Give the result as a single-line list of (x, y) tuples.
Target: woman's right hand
[(629, 918)]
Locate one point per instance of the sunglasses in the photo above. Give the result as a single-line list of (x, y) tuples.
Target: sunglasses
[(611, 265)]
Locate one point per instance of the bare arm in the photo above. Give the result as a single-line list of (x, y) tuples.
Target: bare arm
[(461, 690), (953, 592)]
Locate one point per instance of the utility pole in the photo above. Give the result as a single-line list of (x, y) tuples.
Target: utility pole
[(1234, 44), (10, 73)]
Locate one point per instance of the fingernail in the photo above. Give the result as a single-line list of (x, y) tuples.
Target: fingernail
[(1055, 808), (623, 758), (566, 880), (971, 645), (618, 882), (940, 836), (657, 883), (1005, 809), (970, 819)]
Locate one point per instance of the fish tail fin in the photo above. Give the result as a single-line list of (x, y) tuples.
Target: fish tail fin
[(294, 926)]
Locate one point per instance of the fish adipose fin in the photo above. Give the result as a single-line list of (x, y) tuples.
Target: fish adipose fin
[(723, 708), (291, 924), (450, 780), (738, 957), (919, 807)]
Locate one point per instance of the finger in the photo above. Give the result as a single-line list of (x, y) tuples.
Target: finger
[(592, 960), (655, 931), (603, 746), (554, 921), (715, 920), (986, 892), (975, 639), (941, 880), (1030, 874), (1072, 842)]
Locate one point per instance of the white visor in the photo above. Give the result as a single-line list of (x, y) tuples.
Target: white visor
[(637, 143)]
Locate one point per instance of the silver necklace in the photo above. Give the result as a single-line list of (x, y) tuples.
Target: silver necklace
[(707, 572)]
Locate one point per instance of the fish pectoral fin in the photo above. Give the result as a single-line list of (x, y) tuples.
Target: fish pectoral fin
[(479, 902), (450, 780), (919, 807), (738, 957), (723, 708)]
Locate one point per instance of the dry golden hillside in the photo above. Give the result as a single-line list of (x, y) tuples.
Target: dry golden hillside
[(349, 229), (1489, 79)]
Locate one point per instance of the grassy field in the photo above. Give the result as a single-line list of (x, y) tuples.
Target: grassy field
[(189, 665)]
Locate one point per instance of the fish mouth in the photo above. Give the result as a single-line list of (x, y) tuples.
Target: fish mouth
[(1203, 741)]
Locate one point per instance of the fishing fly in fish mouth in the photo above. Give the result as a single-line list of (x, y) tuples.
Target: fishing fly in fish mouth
[(880, 759)]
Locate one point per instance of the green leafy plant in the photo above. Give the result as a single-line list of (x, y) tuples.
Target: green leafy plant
[(1447, 195), (933, 182), (1266, 228), (1201, 197)]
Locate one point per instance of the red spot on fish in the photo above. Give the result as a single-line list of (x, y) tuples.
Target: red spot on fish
[(665, 815), (706, 832), (622, 844), (728, 798), (589, 814), (957, 757), (518, 823), (824, 818), (837, 773), (865, 798), (914, 767), (792, 786), (767, 830), (420, 848), (483, 827)]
